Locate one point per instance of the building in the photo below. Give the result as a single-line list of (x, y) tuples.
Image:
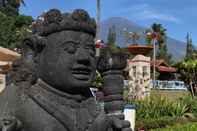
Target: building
[(165, 71), (6, 59), (139, 71), (167, 77)]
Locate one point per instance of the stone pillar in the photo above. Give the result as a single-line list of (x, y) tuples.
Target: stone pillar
[(111, 68)]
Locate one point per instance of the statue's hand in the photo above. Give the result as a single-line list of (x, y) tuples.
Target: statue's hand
[(119, 124), (10, 124), (111, 123)]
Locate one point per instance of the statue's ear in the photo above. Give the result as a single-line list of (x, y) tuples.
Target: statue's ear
[(32, 47), (35, 43)]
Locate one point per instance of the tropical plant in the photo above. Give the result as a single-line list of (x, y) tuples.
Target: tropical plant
[(111, 40), (157, 107), (191, 53), (180, 127), (11, 7), (191, 103), (159, 32), (161, 112), (98, 82), (13, 29), (188, 70)]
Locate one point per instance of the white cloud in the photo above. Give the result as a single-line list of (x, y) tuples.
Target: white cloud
[(150, 14), (146, 12)]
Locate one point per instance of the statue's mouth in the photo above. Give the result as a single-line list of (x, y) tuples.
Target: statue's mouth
[(81, 73)]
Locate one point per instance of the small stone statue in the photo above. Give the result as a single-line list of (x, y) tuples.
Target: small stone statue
[(57, 97)]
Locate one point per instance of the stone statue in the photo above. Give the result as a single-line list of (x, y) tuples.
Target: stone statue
[(55, 95)]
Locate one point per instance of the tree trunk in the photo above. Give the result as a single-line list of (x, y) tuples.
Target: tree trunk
[(192, 89)]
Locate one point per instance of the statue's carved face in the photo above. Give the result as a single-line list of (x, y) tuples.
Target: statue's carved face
[(68, 61)]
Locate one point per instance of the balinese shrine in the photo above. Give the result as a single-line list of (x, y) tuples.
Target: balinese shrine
[(139, 71)]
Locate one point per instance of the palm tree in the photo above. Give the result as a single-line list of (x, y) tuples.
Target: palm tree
[(162, 52), (161, 33)]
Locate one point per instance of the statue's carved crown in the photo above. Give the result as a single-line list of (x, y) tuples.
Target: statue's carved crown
[(54, 21)]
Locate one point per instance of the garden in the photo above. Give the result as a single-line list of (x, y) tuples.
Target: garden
[(163, 113)]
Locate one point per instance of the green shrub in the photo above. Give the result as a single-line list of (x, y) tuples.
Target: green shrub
[(148, 124), (98, 82), (180, 127), (162, 122), (157, 107), (161, 112), (13, 29), (191, 103)]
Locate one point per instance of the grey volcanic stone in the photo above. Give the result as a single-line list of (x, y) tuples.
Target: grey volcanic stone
[(49, 89)]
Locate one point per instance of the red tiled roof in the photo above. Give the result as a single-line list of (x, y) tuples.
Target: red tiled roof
[(158, 62), (162, 66), (166, 69)]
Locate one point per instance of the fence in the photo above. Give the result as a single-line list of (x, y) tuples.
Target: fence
[(170, 85)]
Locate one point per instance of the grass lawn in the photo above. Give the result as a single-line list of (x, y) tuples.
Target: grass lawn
[(178, 127)]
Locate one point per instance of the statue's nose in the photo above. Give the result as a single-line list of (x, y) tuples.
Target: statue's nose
[(82, 56)]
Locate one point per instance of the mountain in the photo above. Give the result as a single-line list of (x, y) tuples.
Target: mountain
[(175, 47)]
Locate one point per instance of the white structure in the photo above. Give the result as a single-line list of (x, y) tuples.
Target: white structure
[(6, 59), (130, 115), (2, 82), (139, 76)]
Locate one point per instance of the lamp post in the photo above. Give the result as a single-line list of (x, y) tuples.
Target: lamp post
[(154, 40), (98, 26), (154, 36), (154, 59)]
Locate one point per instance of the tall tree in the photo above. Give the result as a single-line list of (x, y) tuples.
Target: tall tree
[(11, 7), (162, 52), (111, 39), (20, 2), (189, 48), (194, 55), (13, 29), (188, 70)]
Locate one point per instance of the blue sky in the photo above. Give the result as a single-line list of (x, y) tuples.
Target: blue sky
[(177, 16)]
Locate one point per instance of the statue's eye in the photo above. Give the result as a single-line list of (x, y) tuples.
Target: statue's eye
[(70, 47), (90, 49)]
